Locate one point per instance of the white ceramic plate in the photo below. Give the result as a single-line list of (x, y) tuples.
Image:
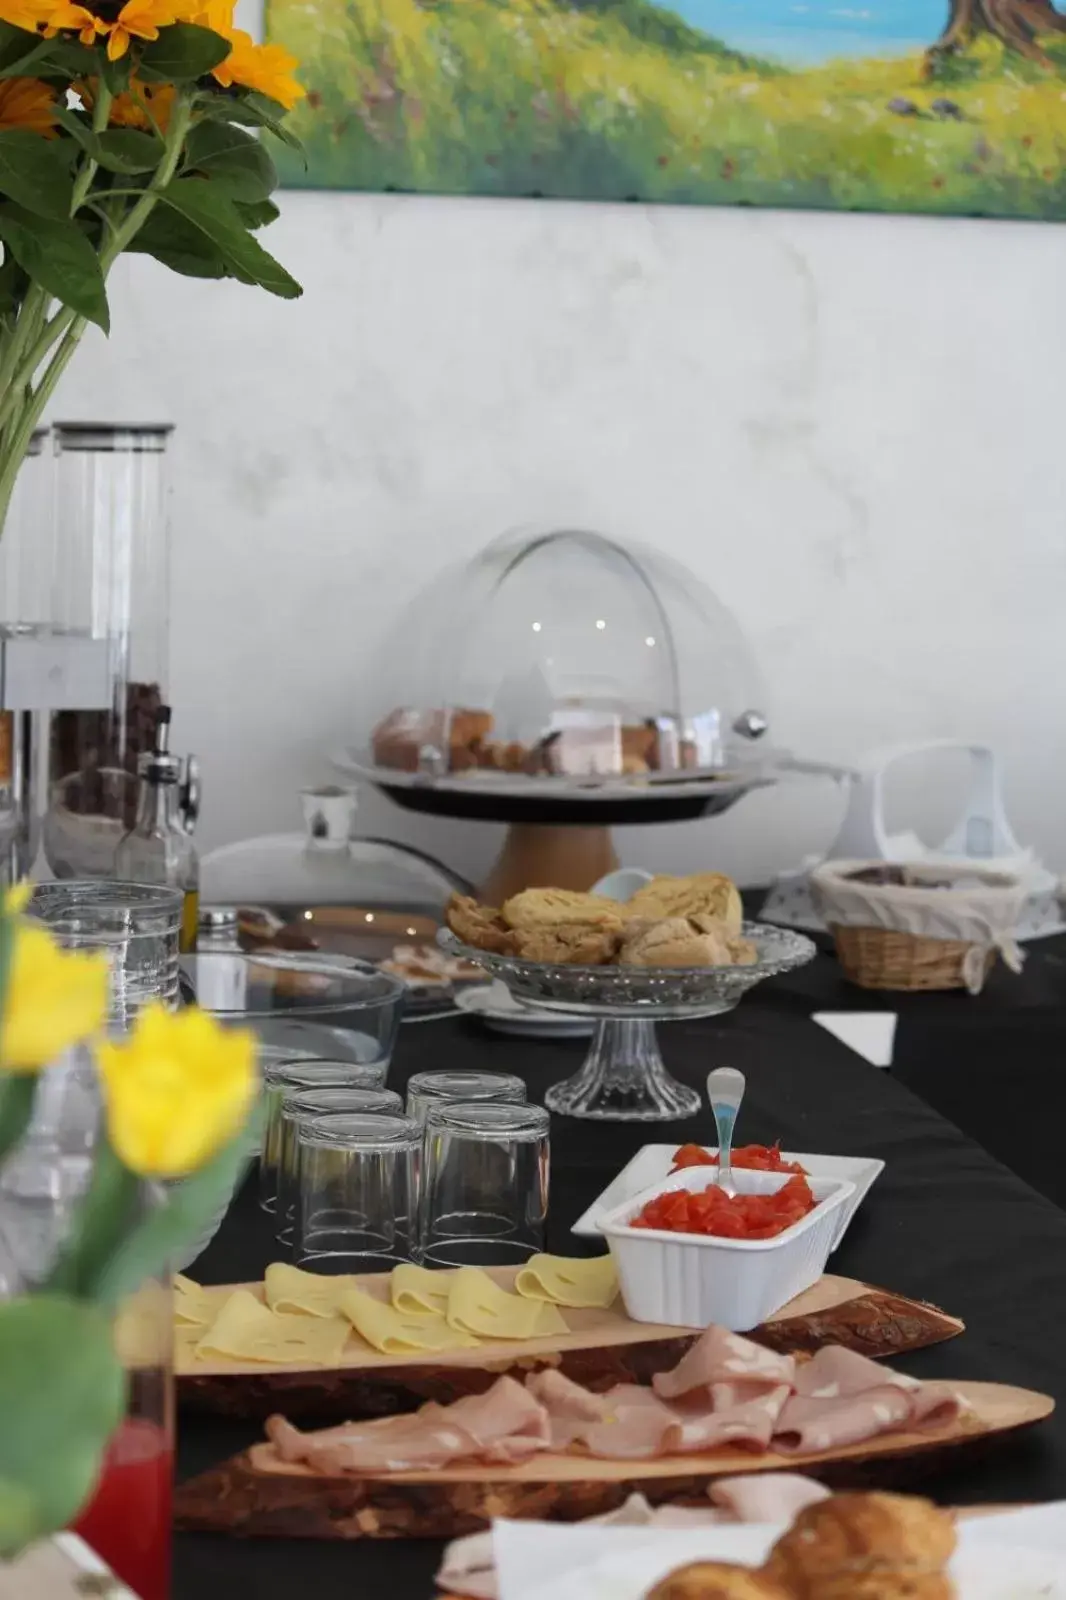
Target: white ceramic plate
[(653, 1162), (623, 1563), (493, 1004)]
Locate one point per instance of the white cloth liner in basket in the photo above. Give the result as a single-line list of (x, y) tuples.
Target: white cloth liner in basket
[(981, 907)]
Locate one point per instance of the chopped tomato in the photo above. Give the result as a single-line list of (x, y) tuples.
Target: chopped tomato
[(711, 1211), (753, 1157)]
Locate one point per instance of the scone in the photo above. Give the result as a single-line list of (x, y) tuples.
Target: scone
[(577, 944), (674, 943), (710, 893), (853, 1539), (535, 908), (741, 952), (716, 1580), (891, 1583), (480, 926)]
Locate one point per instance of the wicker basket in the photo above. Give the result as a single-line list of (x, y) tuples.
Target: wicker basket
[(884, 958)]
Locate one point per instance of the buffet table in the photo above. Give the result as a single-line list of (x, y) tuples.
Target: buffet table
[(944, 1223)]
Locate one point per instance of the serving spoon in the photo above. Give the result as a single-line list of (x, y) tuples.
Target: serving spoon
[(725, 1091)]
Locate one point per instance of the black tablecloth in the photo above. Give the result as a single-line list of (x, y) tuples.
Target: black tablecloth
[(945, 1223)]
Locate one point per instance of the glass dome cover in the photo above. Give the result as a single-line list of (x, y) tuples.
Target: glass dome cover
[(564, 656), (322, 889)]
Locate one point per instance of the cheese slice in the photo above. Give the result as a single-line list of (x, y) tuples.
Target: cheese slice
[(479, 1306), (569, 1282), (314, 1294), (247, 1330), (194, 1305), (418, 1292), (394, 1332)]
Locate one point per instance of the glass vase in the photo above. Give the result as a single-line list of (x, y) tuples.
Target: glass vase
[(127, 1520)]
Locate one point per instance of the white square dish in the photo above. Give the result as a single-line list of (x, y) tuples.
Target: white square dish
[(691, 1280), (653, 1162)]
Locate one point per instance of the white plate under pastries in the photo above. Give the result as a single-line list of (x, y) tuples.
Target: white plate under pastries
[(497, 1008), (653, 1162), (1018, 1555)]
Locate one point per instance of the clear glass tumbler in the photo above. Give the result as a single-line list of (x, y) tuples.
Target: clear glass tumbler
[(281, 1076), (302, 1005), (359, 1192), (485, 1185), (426, 1089), (302, 1105)]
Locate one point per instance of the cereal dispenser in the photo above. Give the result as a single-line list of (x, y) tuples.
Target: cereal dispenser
[(111, 590)]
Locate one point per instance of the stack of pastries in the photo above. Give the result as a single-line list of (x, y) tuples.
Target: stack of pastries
[(692, 921), (849, 1547)]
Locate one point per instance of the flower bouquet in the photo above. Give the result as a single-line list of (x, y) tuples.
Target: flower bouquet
[(124, 125), (178, 1095)]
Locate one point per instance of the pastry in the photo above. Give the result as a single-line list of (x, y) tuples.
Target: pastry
[(535, 908), (717, 1580), (742, 953), (708, 893), (853, 1540), (579, 944), (480, 926), (674, 942)]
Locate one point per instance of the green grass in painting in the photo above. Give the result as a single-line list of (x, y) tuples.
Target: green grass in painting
[(620, 100)]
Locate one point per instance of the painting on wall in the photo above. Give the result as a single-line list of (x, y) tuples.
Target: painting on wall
[(950, 106)]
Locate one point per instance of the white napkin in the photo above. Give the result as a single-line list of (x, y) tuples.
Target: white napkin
[(1013, 1556), (871, 1034)]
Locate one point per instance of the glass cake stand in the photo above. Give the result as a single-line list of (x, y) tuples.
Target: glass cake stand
[(623, 1078)]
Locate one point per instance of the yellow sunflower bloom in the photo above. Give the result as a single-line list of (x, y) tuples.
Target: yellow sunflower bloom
[(75, 19), (176, 1090), (138, 19), (142, 105), (54, 999), (266, 68), (214, 14), (28, 14), (27, 103)]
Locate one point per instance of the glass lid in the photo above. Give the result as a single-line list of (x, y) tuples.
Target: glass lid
[(564, 655)]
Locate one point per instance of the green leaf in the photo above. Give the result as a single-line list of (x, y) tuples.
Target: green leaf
[(124, 150), (62, 1395), (19, 50), (251, 111), (259, 215), (107, 1212), (178, 245), (59, 257), (116, 74), (189, 1207), (211, 211), (183, 52), (17, 1093), (71, 59), (229, 154), (36, 172)]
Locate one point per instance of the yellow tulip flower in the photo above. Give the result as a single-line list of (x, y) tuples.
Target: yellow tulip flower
[(54, 999), (176, 1090)]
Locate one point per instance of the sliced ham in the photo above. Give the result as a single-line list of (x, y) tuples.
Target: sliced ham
[(718, 1357), (468, 1567), (506, 1423), (834, 1371), (808, 1424), (750, 1423), (633, 1426), (766, 1496), (570, 1408)]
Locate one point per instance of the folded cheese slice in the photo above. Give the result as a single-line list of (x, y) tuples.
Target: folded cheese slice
[(315, 1294), (395, 1333), (479, 1306), (419, 1292), (247, 1330), (569, 1282)]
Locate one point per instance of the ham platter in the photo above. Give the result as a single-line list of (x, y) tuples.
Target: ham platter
[(551, 1448)]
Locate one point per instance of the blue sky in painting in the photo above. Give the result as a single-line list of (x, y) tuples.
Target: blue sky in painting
[(804, 32)]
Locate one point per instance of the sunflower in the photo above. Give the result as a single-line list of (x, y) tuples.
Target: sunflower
[(28, 103), (266, 68)]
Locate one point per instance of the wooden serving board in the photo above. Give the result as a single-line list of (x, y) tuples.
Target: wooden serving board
[(604, 1347), (256, 1495)]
